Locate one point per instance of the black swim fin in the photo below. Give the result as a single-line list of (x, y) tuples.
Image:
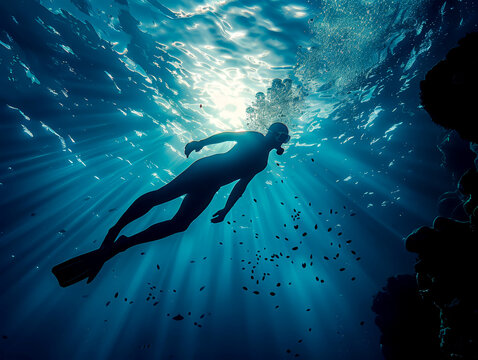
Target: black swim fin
[(74, 270)]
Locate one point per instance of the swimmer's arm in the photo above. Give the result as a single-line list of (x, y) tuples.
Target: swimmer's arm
[(214, 139), (222, 137), (236, 193)]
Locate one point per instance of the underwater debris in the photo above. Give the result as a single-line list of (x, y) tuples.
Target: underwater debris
[(178, 317)]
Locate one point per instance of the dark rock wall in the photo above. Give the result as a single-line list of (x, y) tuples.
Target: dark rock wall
[(443, 301)]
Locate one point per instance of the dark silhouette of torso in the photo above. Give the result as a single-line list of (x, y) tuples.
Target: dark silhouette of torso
[(244, 160)]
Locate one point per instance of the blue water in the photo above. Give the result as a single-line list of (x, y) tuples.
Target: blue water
[(97, 101)]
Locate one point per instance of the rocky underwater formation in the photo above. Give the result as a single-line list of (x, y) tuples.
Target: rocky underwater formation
[(436, 316)]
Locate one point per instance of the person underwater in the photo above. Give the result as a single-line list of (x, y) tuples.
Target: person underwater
[(199, 182)]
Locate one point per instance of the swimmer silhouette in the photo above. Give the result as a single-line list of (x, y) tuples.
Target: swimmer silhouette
[(199, 182)]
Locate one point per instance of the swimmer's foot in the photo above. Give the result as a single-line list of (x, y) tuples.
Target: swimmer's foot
[(109, 239), (102, 256), (106, 252), (120, 245)]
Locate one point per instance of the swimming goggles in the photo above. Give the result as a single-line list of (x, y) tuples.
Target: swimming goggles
[(281, 137)]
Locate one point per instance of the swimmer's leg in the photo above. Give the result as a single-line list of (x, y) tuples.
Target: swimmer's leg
[(191, 207), (143, 204)]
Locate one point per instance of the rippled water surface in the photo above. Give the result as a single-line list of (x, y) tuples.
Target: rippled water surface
[(99, 98)]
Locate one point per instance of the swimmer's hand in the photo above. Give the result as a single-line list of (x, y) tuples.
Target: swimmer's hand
[(193, 145), (219, 216)]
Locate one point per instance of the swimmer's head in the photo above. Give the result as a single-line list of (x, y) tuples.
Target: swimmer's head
[(279, 133)]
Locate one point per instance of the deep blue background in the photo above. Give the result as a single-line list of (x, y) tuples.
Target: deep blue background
[(86, 127)]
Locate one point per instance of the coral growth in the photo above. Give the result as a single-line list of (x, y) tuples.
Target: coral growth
[(408, 323), (446, 273)]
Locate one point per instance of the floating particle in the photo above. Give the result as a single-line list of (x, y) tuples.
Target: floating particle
[(353, 252), (329, 229), (200, 106), (273, 293), (315, 227), (32, 214), (256, 292), (202, 316), (296, 227), (116, 295), (108, 302), (255, 200), (304, 265), (353, 278), (278, 284), (339, 234), (358, 258), (142, 253), (342, 269), (178, 317), (353, 214), (362, 322), (304, 234), (62, 231), (348, 241), (295, 248), (156, 303), (326, 258), (4, 337), (300, 340), (202, 288), (245, 288), (277, 306)]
